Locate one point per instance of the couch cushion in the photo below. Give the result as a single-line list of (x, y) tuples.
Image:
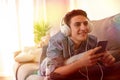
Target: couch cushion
[(35, 77), (108, 29)]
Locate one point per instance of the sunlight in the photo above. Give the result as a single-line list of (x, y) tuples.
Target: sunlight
[(26, 22), (72, 6), (99, 9), (44, 10), (9, 32)]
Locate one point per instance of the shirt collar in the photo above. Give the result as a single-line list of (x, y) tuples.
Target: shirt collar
[(71, 43)]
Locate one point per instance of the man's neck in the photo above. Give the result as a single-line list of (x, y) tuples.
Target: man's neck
[(76, 43)]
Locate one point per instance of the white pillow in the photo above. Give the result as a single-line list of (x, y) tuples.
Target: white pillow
[(24, 57), (29, 54), (37, 53)]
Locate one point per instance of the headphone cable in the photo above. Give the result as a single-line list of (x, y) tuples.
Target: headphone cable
[(85, 75), (100, 70)]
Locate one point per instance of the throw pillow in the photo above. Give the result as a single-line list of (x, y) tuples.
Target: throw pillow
[(29, 54), (23, 57)]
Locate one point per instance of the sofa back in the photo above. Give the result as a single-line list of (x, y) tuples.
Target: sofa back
[(109, 29)]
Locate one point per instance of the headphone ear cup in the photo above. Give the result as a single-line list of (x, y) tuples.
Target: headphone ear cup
[(65, 30), (90, 25)]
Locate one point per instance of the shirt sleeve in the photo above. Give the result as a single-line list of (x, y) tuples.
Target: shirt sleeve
[(54, 57)]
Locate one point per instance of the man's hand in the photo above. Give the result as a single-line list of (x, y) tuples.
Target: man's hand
[(107, 59), (90, 58)]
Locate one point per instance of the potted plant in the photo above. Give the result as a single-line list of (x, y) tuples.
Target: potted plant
[(40, 30)]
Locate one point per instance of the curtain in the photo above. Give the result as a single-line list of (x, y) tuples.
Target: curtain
[(16, 30)]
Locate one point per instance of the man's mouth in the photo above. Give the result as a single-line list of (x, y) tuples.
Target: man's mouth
[(82, 34)]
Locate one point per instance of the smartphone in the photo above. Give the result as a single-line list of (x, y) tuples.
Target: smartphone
[(103, 44)]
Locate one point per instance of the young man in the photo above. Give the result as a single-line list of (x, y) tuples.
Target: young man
[(73, 41)]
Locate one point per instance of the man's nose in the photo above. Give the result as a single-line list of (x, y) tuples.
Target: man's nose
[(83, 27)]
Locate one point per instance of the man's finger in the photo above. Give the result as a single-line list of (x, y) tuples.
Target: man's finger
[(95, 49)]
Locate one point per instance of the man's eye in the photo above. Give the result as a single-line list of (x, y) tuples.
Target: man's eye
[(77, 24), (85, 23)]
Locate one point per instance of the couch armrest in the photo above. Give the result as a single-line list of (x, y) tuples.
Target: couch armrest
[(16, 53), (25, 70), (36, 77)]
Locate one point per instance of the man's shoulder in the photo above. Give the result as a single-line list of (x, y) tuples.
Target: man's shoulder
[(59, 37), (92, 38)]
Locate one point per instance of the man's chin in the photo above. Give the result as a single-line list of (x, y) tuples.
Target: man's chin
[(83, 38)]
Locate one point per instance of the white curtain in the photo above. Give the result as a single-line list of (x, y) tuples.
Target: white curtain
[(16, 30)]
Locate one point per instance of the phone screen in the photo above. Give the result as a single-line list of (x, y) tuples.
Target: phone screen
[(103, 44)]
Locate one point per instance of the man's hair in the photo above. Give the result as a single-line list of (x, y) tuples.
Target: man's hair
[(73, 13)]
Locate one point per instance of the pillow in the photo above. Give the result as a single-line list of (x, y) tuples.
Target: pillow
[(36, 53), (29, 54), (23, 57)]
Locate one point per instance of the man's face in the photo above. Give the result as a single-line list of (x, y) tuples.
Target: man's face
[(79, 28)]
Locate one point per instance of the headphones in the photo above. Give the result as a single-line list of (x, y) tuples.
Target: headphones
[(65, 29)]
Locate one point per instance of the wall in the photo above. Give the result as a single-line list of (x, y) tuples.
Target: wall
[(98, 9), (55, 11)]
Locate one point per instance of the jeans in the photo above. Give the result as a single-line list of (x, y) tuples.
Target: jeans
[(94, 73)]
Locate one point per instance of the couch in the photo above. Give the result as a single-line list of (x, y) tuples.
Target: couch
[(105, 29), (26, 62), (28, 59)]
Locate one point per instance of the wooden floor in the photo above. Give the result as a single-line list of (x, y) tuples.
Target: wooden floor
[(6, 78)]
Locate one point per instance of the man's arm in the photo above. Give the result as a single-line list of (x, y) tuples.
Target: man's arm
[(88, 58), (69, 68), (74, 58)]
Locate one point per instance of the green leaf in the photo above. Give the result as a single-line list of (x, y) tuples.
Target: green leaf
[(40, 30)]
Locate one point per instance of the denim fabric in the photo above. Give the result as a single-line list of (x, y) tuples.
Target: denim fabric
[(60, 48)]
